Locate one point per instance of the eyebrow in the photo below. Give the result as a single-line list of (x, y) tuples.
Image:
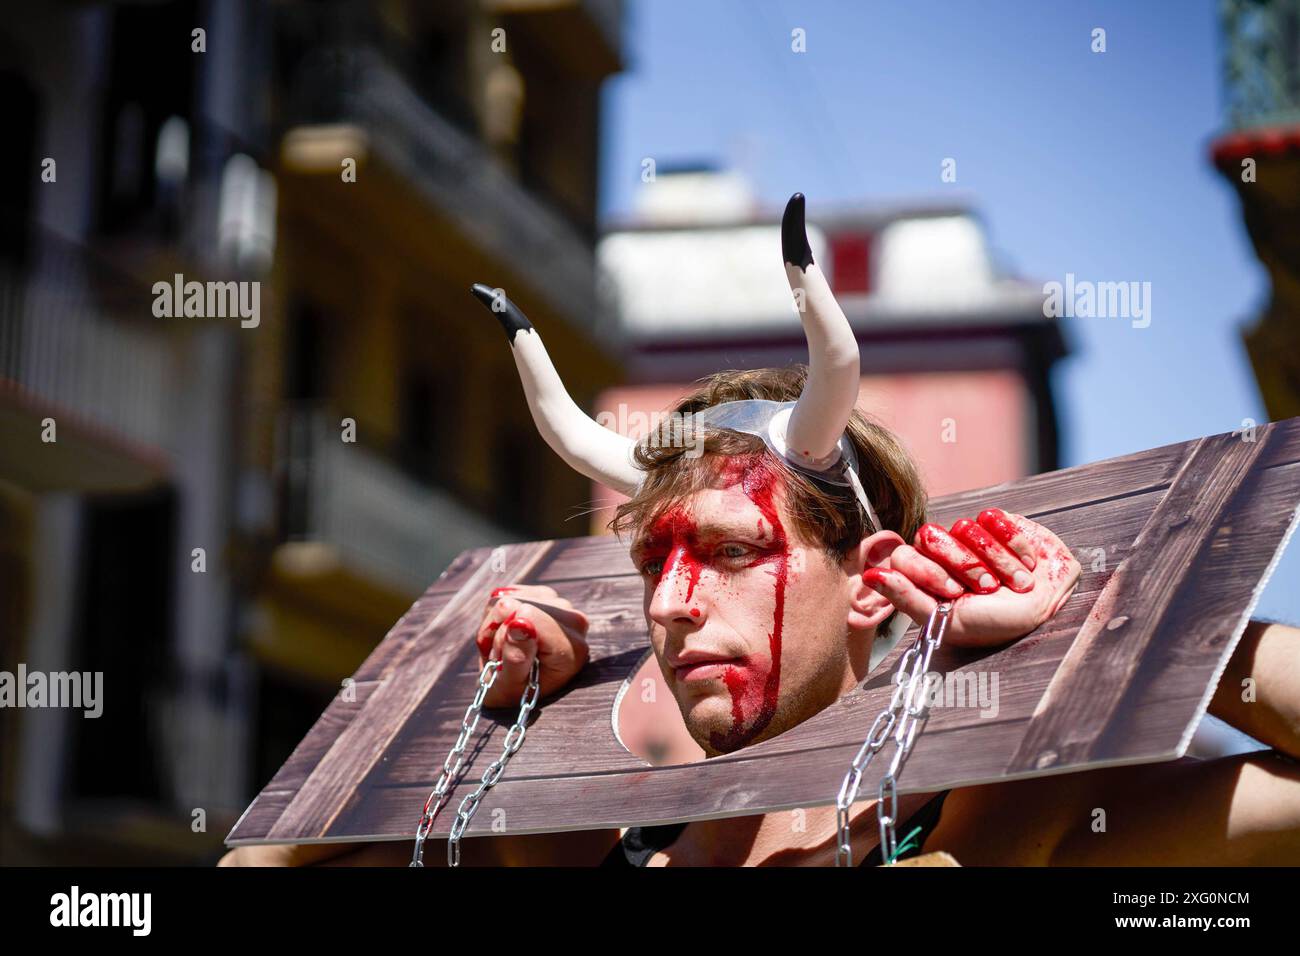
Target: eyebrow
[(717, 529)]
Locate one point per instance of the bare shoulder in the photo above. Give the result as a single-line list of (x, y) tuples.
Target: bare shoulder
[(1239, 810), (1008, 823), (1023, 822)]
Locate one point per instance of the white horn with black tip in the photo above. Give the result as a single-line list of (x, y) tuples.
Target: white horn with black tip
[(588, 447), (834, 369)]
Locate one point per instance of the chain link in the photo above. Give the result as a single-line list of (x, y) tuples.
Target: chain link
[(903, 719), (514, 740)]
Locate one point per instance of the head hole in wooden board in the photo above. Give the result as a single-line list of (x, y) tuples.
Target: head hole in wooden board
[(646, 719)]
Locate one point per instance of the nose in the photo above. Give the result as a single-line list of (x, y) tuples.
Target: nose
[(676, 597)]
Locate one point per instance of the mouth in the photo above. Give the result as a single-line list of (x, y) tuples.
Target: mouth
[(704, 669)]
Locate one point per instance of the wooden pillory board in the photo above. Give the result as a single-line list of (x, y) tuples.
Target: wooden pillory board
[(1122, 674)]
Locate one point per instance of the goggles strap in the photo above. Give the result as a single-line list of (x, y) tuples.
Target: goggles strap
[(862, 498)]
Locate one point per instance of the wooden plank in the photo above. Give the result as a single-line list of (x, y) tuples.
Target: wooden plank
[(336, 718), (653, 795), (1210, 617), (1102, 663), (373, 774), (362, 743), (390, 651)]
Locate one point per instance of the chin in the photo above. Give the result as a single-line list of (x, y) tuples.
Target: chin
[(706, 714)]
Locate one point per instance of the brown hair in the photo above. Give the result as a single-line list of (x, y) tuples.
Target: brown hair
[(823, 512)]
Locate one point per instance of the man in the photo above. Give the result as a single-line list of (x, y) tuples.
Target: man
[(774, 552)]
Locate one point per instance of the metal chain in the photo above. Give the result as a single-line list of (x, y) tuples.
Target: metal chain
[(904, 717), (514, 740)]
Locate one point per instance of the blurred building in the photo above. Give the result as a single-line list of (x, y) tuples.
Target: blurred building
[(228, 515), (1259, 154), (956, 355)]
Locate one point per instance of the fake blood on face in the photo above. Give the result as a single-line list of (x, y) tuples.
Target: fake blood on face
[(678, 529), (754, 693), (754, 683)]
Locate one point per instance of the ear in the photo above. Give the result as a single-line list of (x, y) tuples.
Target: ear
[(869, 608)]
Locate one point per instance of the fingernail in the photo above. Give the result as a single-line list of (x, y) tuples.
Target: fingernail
[(954, 588), (988, 582), (1022, 580), (520, 629)]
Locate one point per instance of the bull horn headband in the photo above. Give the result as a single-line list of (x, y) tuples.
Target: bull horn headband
[(807, 435)]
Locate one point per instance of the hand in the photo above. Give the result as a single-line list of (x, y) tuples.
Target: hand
[(1004, 574), (514, 633)]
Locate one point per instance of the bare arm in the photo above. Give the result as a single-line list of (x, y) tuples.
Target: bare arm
[(1259, 692)]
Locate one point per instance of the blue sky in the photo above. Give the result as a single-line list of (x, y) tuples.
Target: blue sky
[(1090, 163)]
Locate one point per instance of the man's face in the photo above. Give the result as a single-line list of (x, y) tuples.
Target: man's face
[(748, 621)]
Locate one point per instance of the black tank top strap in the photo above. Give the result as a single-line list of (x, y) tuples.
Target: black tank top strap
[(927, 818), (641, 843)]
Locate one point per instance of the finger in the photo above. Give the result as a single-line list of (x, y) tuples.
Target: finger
[(935, 542), (1057, 564), (517, 639), (559, 637), (486, 635), (898, 589), (1005, 563), (925, 572), (486, 641), (573, 622), (540, 591), (1006, 529)]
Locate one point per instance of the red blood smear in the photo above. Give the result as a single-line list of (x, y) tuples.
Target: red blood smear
[(758, 478), (677, 527), (516, 623), (497, 592), (874, 576), (942, 547), (1004, 529), (975, 536), (997, 521), (754, 685), (695, 612)]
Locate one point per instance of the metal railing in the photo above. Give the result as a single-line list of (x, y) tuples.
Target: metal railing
[(363, 85), (77, 339), (1261, 62), (383, 523)]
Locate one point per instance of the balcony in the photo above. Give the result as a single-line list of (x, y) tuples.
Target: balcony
[(349, 514), (1261, 62), (356, 102), (78, 345), (1260, 157)]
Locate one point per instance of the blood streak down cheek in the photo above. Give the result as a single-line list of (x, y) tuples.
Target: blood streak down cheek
[(674, 537), (755, 685)]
